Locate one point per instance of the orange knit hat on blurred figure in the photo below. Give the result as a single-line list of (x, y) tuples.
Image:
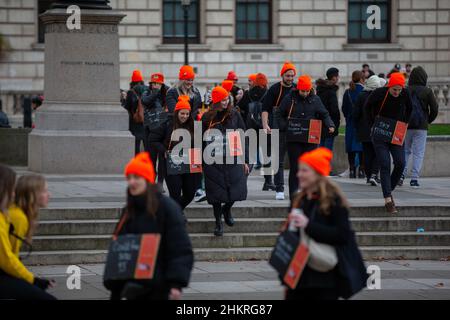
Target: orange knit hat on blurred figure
[(286, 67), (137, 76), (304, 83), (252, 77), (186, 73), (218, 94), (318, 159), (397, 79), (157, 78), (261, 80), (142, 166), (227, 85), (232, 76), (183, 103)]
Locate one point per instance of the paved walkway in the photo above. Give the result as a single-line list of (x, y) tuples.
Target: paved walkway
[(412, 280), (70, 191)]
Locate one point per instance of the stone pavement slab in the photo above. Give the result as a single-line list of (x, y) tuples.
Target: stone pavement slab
[(412, 280)]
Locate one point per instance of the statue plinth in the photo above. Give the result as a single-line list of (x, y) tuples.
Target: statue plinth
[(81, 127)]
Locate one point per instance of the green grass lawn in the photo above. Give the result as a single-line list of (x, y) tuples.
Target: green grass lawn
[(433, 130)]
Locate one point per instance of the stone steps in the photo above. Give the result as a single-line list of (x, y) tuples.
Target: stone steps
[(73, 235), (199, 225)]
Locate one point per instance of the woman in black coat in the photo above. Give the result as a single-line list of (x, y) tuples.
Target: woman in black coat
[(301, 104), (321, 210), (148, 211), (181, 187), (363, 125), (394, 103), (225, 182)]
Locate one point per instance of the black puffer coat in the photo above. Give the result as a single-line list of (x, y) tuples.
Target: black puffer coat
[(361, 117), (175, 256), (195, 101), (130, 104), (307, 108), (253, 95), (327, 92), (417, 84), (224, 182)]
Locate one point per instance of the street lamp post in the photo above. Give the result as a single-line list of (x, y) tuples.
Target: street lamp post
[(186, 4)]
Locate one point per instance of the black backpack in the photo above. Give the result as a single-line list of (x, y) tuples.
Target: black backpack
[(417, 114), (254, 119)]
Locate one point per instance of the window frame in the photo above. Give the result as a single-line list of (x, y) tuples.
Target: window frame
[(361, 40), (180, 40), (40, 27), (269, 24)]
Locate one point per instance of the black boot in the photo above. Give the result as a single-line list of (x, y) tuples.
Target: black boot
[(218, 231), (361, 174), (268, 184), (226, 210), (352, 173)]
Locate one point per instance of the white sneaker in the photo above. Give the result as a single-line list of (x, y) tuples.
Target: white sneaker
[(279, 196), (200, 195)]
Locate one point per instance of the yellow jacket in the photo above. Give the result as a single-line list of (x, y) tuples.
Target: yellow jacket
[(9, 261), (19, 220)]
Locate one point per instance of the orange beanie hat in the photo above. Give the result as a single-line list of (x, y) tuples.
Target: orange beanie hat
[(261, 80), (252, 77), (142, 166), (137, 76), (157, 78), (286, 67), (186, 73), (183, 103), (227, 85), (304, 83), (218, 94), (397, 79), (232, 76), (318, 159)]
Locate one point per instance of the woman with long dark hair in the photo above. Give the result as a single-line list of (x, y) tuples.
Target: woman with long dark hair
[(182, 186), (352, 146), (225, 182), (16, 281), (149, 211)]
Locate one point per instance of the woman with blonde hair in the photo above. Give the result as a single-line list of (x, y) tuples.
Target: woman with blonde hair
[(322, 211), (16, 281)]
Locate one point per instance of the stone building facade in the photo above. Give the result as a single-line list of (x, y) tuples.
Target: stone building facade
[(314, 34)]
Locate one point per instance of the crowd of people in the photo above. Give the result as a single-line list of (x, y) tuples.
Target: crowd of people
[(286, 105), (292, 105)]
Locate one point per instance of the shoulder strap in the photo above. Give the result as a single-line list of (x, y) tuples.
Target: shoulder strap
[(279, 95), (290, 110), (384, 100), (120, 224)]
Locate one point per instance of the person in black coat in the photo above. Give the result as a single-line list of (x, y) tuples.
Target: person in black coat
[(327, 91), (225, 182), (148, 211), (301, 104), (130, 103), (392, 102), (181, 187), (361, 122), (324, 217), (270, 119), (185, 87), (155, 115)]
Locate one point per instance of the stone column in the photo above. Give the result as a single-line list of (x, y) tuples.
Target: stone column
[(81, 128)]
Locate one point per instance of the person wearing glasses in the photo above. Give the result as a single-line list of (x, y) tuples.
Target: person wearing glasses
[(16, 226)]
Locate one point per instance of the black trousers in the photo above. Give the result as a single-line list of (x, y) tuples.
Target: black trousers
[(384, 150), (182, 187), (18, 289), (371, 166), (158, 158), (137, 145), (312, 294), (218, 207), (352, 159), (295, 150), (279, 176)]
